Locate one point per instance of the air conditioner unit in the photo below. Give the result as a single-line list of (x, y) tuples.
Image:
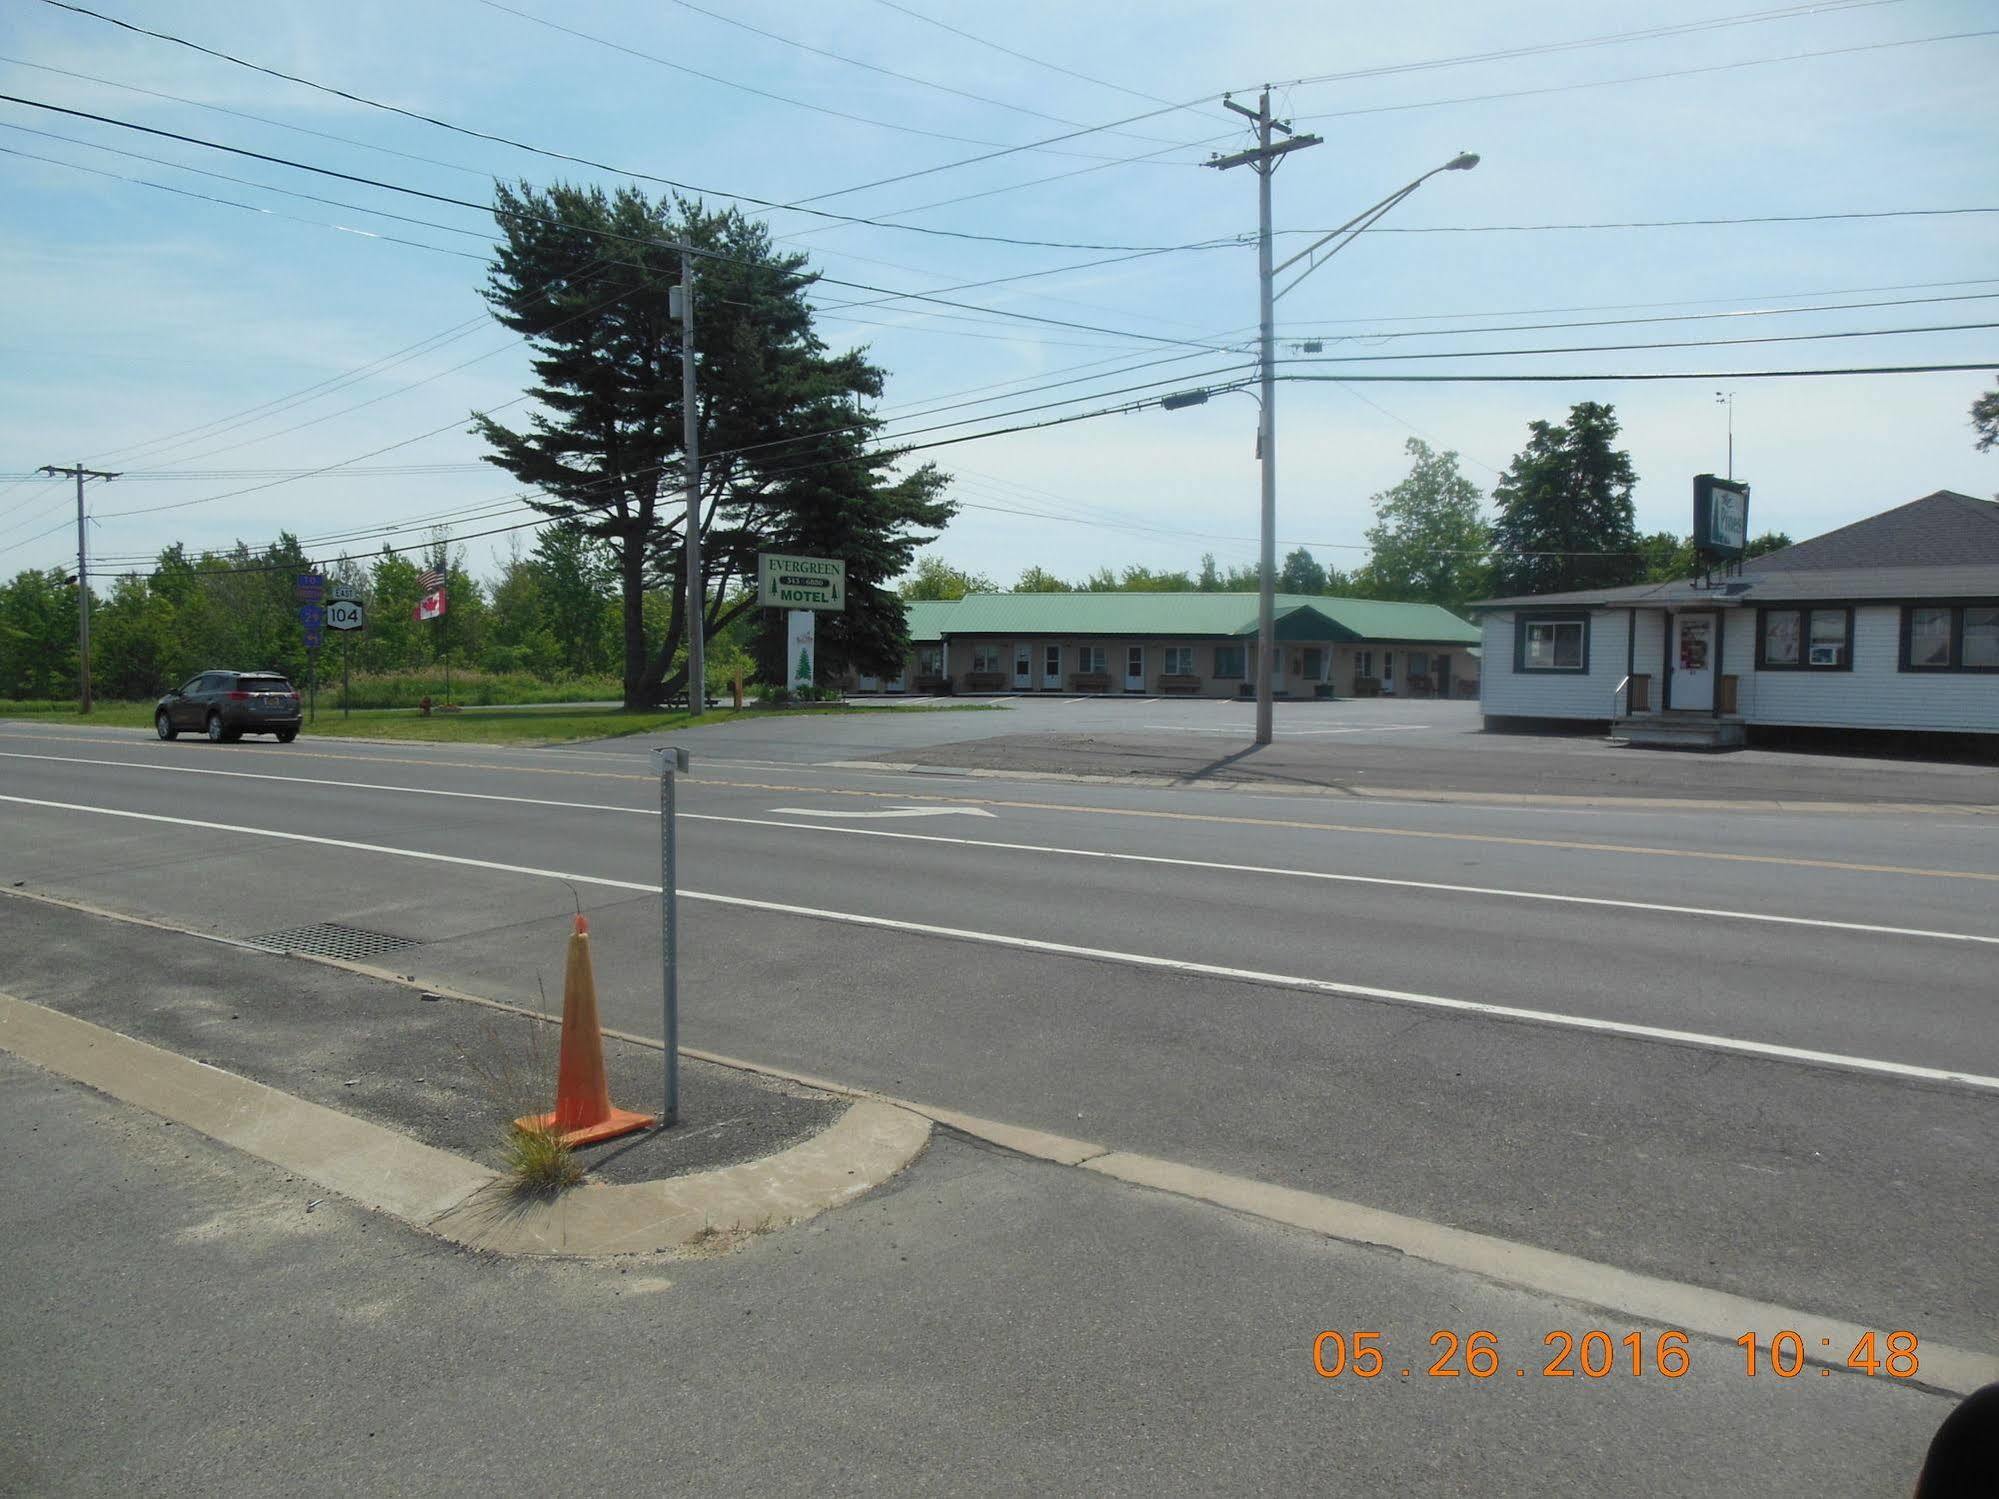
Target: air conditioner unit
[(1827, 655)]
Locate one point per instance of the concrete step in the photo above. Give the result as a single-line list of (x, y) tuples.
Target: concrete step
[(1683, 731)]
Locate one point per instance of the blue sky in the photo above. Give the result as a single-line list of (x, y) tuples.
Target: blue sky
[(136, 315)]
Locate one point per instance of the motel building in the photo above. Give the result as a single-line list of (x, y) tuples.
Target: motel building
[(1891, 623), (1190, 644)]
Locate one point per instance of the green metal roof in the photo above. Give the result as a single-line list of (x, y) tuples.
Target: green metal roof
[(1299, 617)]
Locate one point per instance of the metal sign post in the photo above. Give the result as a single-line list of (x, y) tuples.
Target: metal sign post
[(668, 761), (346, 613)]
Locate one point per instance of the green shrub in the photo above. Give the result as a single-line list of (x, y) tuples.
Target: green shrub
[(406, 689)]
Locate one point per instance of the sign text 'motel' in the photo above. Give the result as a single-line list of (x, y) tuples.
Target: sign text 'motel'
[(801, 582)]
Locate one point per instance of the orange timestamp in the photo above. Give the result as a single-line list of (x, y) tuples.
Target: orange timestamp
[(1600, 1354)]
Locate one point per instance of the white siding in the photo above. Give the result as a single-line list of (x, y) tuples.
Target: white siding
[(1876, 694), (1505, 693)]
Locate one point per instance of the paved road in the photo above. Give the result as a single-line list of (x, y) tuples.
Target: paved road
[(179, 1323), (1070, 956)]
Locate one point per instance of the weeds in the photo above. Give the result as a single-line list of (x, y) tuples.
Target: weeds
[(538, 1163), (518, 1080)]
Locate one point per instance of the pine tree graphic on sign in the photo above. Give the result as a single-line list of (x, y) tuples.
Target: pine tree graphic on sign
[(802, 673)]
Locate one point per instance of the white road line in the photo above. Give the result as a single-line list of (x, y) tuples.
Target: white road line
[(1697, 1039), (1437, 886), (1296, 733)]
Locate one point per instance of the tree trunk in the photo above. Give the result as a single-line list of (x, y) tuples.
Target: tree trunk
[(632, 584)]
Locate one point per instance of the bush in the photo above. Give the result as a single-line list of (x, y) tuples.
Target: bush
[(406, 689)]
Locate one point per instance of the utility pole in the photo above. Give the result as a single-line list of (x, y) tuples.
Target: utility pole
[(1264, 159), (80, 473), (683, 294)]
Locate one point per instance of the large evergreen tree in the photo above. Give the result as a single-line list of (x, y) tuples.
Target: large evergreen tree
[(1566, 519), (785, 439)]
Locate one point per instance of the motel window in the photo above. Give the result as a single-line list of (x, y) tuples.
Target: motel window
[(1551, 643), (1231, 661), (1090, 658), (1804, 640), (930, 660), (1363, 663), (1954, 637), (987, 658), (1179, 661)]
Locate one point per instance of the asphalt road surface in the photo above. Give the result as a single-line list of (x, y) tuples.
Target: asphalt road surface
[(1750, 1051)]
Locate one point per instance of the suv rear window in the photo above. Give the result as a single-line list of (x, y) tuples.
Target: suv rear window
[(262, 684)]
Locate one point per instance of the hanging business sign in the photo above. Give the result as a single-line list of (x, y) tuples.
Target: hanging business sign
[(1721, 517), (800, 582)]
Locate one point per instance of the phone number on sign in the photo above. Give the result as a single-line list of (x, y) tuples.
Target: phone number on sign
[(1597, 1354)]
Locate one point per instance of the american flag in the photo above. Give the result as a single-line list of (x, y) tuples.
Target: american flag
[(431, 581)]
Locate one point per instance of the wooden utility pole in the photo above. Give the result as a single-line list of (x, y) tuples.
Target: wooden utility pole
[(79, 473)]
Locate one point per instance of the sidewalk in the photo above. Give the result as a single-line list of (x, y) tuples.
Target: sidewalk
[(181, 1322)]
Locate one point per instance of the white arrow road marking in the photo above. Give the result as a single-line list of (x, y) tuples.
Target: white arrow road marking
[(891, 812)]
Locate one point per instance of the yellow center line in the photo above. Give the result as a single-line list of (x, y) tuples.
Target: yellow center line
[(1223, 819)]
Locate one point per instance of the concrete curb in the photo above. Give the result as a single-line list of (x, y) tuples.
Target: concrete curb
[(453, 1197), (1396, 794), (865, 1147)]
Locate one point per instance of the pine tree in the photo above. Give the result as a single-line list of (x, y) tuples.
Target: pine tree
[(788, 464), (1566, 519)]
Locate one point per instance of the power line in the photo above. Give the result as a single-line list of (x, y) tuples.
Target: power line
[(748, 88), (554, 155), (1774, 296), (1039, 62), (1765, 218), (1564, 88), (502, 213), (1608, 39), (1677, 317), (1695, 343), (855, 62), (1871, 369)]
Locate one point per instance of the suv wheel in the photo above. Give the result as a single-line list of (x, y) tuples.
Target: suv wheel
[(215, 731), (286, 736), (163, 725)]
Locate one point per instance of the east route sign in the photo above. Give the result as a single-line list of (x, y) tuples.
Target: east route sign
[(800, 582)]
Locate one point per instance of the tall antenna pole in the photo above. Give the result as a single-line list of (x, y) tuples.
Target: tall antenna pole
[(80, 473)]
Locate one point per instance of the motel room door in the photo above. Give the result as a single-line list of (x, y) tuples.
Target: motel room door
[(1051, 668), (1692, 662), (1023, 667), (1134, 668)]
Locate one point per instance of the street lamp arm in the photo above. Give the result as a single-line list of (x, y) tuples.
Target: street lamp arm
[(1461, 163)]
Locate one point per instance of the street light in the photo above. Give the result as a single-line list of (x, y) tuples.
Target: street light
[(1264, 158), (1727, 398)]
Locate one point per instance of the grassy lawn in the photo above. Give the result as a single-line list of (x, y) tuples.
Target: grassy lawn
[(497, 725)]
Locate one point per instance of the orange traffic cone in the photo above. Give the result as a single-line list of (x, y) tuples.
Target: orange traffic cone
[(583, 1113)]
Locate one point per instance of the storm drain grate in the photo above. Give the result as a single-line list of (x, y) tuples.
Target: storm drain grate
[(330, 940)]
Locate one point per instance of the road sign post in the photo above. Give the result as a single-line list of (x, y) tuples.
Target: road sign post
[(345, 613), (668, 762)]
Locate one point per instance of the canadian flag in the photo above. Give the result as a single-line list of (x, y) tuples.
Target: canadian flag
[(432, 607)]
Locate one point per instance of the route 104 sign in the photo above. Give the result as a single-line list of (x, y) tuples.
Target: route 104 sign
[(345, 614)]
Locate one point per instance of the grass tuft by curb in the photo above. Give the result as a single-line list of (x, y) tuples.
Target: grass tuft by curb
[(538, 1163)]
